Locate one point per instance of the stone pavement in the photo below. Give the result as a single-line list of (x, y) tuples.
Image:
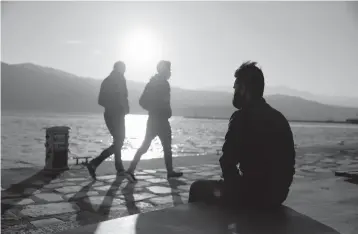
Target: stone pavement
[(72, 199), (40, 205)]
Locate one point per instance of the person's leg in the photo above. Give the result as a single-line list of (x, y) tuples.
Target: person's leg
[(207, 191), (165, 136), (106, 153), (118, 139), (149, 136)]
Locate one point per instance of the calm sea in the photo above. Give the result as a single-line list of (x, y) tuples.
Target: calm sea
[(23, 136)]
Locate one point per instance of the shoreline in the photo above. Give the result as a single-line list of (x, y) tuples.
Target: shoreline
[(11, 112), (348, 121), (315, 148)]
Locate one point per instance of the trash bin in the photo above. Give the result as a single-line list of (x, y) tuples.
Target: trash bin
[(56, 148)]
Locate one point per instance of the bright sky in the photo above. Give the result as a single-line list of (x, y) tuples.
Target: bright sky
[(309, 46)]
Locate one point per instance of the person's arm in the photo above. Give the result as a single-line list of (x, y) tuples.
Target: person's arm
[(123, 95), (288, 153), (166, 102), (145, 99), (231, 156), (102, 95)]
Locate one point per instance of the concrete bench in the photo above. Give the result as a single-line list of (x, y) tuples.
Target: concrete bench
[(202, 219), (83, 158)]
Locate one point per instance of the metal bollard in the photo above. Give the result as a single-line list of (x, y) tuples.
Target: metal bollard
[(56, 149)]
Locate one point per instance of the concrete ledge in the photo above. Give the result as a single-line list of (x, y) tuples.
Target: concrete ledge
[(199, 218)]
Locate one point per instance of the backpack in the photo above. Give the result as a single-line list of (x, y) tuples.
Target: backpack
[(145, 98)]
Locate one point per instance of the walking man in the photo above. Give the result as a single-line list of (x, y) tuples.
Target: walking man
[(156, 100), (113, 96)]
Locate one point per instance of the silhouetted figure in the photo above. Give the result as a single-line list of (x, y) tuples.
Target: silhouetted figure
[(260, 140), (156, 100), (113, 96)]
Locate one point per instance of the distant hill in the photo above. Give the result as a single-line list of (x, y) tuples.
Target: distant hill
[(324, 99), (36, 88)]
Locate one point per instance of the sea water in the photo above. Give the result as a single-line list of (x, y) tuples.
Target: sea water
[(23, 136)]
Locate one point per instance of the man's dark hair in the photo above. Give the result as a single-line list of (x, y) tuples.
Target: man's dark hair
[(252, 77)]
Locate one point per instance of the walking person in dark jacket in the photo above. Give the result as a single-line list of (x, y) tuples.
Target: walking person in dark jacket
[(113, 96), (156, 100), (260, 140)]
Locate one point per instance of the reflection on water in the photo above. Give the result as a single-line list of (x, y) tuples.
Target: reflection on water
[(23, 136)]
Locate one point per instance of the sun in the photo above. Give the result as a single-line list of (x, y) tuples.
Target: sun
[(140, 48)]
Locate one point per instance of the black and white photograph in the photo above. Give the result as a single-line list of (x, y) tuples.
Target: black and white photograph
[(179, 117)]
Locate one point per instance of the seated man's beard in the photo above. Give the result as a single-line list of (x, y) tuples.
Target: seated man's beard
[(238, 101)]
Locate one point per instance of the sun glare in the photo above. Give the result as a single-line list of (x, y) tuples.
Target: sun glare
[(140, 49)]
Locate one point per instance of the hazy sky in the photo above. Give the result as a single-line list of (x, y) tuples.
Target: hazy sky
[(310, 46)]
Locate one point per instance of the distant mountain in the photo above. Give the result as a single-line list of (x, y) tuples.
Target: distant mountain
[(36, 88), (324, 99)]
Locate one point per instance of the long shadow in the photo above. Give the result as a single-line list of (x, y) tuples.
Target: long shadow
[(128, 192), (173, 183), (26, 188), (200, 218), (105, 207), (103, 210), (79, 199), (82, 200)]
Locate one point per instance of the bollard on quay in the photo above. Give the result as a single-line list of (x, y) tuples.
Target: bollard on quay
[(56, 149)]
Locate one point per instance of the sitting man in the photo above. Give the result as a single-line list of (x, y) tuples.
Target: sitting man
[(260, 140)]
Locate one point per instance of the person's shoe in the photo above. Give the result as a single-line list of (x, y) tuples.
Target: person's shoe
[(121, 173), (174, 174), (131, 177), (91, 170)]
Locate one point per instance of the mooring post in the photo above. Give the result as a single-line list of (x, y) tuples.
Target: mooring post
[(56, 149)]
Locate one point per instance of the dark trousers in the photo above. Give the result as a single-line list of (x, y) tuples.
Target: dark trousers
[(115, 123), (160, 127), (213, 192), (234, 195)]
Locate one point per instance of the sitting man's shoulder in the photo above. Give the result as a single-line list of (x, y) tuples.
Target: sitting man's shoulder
[(276, 113), (236, 115), (237, 119), (276, 118)]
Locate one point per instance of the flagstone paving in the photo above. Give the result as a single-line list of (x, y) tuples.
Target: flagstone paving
[(69, 200), (73, 199)]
